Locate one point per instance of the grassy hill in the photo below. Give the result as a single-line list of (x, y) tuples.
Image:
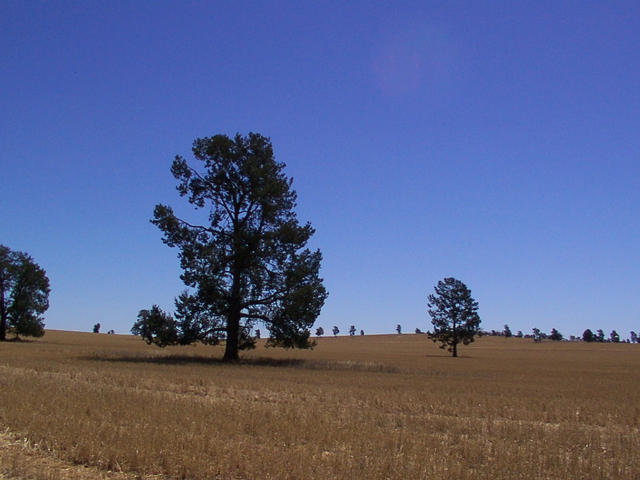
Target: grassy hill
[(81, 405)]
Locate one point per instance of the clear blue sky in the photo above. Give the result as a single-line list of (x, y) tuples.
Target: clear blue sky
[(497, 142)]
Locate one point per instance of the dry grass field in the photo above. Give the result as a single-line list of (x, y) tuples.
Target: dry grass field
[(81, 405)]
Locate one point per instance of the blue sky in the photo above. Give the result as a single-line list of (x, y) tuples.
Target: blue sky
[(496, 142)]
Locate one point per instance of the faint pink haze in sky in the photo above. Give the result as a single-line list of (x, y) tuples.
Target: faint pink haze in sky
[(413, 59)]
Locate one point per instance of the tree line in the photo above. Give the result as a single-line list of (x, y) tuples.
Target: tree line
[(587, 336)]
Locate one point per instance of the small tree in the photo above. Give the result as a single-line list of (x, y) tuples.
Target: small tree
[(399, 329), (418, 331), (507, 331), (634, 336), (587, 336), (361, 332), (615, 338), (257, 334), (519, 334), (555, 335), (319, 331), (335, 330), (157, 327), (454, 315), (352, 330), (600, 335), (537, 335), (96, 328), (24, 294)]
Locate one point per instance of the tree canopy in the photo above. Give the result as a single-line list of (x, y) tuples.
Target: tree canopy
[(248, 262), (24, 294), (555, 335), (588, 335), (453, 314)]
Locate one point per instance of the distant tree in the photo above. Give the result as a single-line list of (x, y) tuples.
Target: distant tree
[(614, 337), (257, 334), (454, 315), (111, 332), (634, 336), (588, 336), (249, 261), (600, 335), (319, 331), (519, 334), (24, 294), (96, 328), (399, 329), (352, 330), (507, 331), (537, 335), (361, 332), (555, 335), (335, 330), (418, 331)]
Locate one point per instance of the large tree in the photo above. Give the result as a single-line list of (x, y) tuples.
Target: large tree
[(24, 294), (453, 314), (247, 261)]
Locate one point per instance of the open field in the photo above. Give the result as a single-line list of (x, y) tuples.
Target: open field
[(80, 405)]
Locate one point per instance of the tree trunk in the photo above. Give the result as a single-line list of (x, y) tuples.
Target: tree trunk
[(233, 332), (233, 321), (3, 314), (454, 353)]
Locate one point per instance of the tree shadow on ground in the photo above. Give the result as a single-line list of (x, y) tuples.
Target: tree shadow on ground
[(19, 340), (252, 361), (192, 359)]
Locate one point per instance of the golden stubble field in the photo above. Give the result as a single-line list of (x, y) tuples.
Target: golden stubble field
[(81, 405)]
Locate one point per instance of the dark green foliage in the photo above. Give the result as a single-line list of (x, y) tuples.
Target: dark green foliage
[(454, 315), (335, 330), (615, 338), (361, 332), (96, 328), (157, 327), (418, 331), (588, 336), (507, 331), (519, 334), (319, 331), (352, 330), (634, 336), (555, 335), (24, 294), (600, 335), (247, 263), (399, 329)]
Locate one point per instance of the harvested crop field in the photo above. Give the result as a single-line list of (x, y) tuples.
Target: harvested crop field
[(80, 405)]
